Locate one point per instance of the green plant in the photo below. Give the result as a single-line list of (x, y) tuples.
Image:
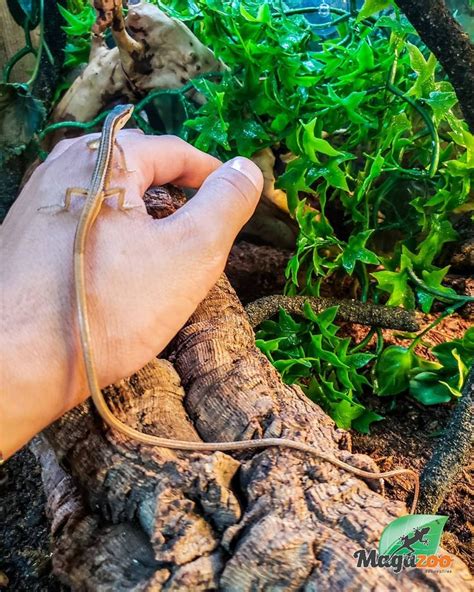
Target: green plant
[(79, 17), (21, 113), (312, 355), (430, 383), (378, 162), (376, 140), (373, 129)]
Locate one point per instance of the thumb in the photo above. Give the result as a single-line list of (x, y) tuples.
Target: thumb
[(225, 201)]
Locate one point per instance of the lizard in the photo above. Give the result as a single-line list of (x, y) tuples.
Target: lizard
[(97, 192), (417, 537)]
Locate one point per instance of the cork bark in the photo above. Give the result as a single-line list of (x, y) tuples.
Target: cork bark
[(127, 516), (444, 36)]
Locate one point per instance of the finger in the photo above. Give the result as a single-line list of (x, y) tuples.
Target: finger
[(224, 203), (167, 159)]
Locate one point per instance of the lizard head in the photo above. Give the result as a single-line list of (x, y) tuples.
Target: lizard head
[(120, 114)]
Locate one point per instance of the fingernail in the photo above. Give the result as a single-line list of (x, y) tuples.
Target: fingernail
[(249, 169)]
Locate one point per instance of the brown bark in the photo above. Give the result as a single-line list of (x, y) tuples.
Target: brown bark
[(353, 311), (444, 36), (451, 452), (130, 517)]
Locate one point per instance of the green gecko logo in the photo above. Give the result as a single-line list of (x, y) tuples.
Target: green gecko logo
[(406, 543)]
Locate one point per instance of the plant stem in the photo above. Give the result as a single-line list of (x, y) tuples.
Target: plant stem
[(446, 313), (441, 295)]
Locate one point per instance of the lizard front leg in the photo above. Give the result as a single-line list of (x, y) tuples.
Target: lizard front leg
[(66, 205)]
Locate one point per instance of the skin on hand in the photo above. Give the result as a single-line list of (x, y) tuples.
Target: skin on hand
[(144, 277)]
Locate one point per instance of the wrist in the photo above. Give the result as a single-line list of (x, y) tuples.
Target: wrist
[(40, 376)]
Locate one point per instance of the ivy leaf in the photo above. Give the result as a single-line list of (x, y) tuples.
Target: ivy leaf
[(424, 70), (441, 232), (433, 279), (365, 420), (345, 412), (351, 104), (250, 137), (291, 370), (357, 251), (468, 340), (441, 103), (263, 15), (371, 7), (397, 284), (312, 144), (211, 132), (21, 115), (392, 370)]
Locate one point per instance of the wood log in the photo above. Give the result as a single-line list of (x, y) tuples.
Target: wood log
[(126, 516)]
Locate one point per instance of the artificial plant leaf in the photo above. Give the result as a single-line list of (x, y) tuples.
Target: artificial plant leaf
[(441, 232), (357, 251), (345, 412), (313, 144), (365, 420), (371, 7), (25, 12), (292, 370), (433, 279), (468, 340), (427, 389), (396, 283), (392, 370), (21, 115), (441, 102), (424, 70)]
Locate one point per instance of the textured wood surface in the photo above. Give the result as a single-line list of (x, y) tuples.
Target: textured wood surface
[(131, 517)]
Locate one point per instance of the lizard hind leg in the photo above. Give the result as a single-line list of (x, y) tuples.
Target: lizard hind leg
[(120, 195), (66, 205)]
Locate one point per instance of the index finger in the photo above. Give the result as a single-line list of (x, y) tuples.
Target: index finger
[(167, 159)]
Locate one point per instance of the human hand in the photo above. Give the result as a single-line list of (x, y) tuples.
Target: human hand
[(144, 277)]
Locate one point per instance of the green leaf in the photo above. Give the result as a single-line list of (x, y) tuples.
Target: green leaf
[(345, 412), (371, 7), (441, 103), (291, 370), (263, 15), (433, 279), (424, 70), (468, 340), (428, 526), (392, 370), (312, 144), (397, 284), (427, 389), (365, 420), (356, 251), (441, 232), (25, 12), (21, 115)]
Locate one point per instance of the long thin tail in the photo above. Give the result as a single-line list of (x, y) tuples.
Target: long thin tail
[(150, 440)]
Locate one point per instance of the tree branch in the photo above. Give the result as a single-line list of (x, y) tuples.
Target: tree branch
[(349, 310), (444, 36), (450, 454)]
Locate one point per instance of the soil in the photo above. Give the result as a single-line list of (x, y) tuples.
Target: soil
[(404, 439), (25, 557)]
